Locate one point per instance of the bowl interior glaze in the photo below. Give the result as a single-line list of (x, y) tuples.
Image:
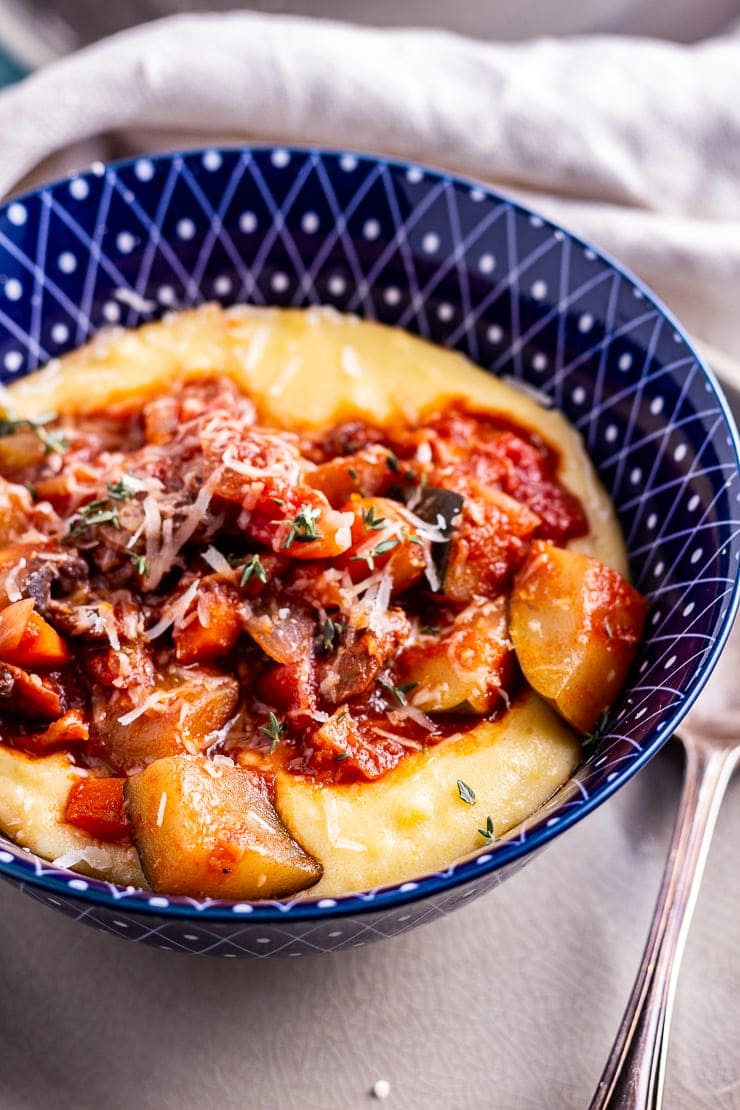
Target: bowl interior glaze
[(463, 267)]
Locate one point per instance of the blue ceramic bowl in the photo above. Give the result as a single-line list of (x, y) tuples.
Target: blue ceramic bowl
[(461, 266)]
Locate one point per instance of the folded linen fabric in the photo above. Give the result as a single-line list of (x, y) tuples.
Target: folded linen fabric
[(634, 144)]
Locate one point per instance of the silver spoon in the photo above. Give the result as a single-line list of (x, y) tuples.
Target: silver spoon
[(634, 1073)]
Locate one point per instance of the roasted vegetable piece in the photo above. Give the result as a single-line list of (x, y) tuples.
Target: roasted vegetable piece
[(575, 625), (358, 662), (488, 545), (366, 472), (13, 621), (383, 535), (467, 668), (212, 629), (97, 806), (18, 450), (27, 640), (352, 747), (183, 711), (207, 831), (28, 695), (33, 797), (441, 508)]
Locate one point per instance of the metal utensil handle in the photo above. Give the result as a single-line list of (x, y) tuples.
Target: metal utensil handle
[(633, 1076)]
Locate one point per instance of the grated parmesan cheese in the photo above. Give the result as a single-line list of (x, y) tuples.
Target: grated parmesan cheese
[(216, 561), (97, 858), (163, 559), (174, 612), (414, 714), (153, 701), (350, 363)]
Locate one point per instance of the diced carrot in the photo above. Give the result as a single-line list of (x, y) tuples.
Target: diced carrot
[(383, 535), (13, 621), (37, 645), (196, 642), (97, 806)]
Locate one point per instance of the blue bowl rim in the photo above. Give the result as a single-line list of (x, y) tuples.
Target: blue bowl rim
[(489, 859)]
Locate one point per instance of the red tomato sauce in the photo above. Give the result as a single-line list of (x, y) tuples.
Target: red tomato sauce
[(175, 576)]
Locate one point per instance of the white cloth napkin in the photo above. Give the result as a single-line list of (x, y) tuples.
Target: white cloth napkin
[(513, 1002), (634, 144)]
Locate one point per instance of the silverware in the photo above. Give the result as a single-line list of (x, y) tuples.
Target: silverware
[(634, 1073)]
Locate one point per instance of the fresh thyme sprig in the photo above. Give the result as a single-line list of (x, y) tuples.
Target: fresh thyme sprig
[(382, 549), (331, 631), (398, 692), (467, 794), (253, 568), (302, 528), (9, 426), (140, 563), (273, 730), (370, 521), (100, 511)]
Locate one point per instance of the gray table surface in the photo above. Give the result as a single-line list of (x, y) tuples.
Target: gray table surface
[(507, 1004)]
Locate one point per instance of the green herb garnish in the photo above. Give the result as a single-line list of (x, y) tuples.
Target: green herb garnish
[(398, 692), (273, 731), (467, 794), (9, 426), (140, 562), (430, 629), (382, 549), (331, 630), (119, 491), (392, 461), (371, 521), (488, 834), (341, 758), (590, 739), (253, 568), (302, 527), (95, 512), (386, 545)]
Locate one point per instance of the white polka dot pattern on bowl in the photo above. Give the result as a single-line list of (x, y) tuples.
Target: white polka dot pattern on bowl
[(461, 267)]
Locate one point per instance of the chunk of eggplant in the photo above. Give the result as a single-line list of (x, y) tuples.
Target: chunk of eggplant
[(576, 626), (184, 710), (208, 832), (488, 545), (466, 669)]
